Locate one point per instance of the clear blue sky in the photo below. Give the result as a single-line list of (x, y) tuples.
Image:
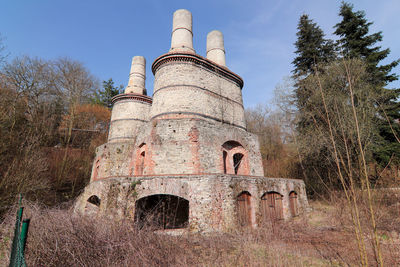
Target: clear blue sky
[(106, 34)]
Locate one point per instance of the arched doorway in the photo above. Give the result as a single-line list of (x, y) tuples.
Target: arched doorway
[(293, 203), (271, 206), (162, 212), (244, 208)]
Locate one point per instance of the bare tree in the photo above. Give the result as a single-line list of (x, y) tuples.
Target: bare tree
[(3, 54), (32, 81), (76, 84)]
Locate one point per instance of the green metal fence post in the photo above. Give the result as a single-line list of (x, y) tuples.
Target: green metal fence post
[(15, 243), (24, 233)]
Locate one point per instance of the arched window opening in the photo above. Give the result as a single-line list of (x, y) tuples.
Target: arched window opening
[(234, 158), (92, 205), (162, 212), (141, 159), (271, 206), (224, 157), (244, 208), (95, 200), (293, 203), (237, 159), (231, 144)]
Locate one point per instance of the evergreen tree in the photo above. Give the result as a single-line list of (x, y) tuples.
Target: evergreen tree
[(311, 47), (356, 42), (312, 50), (109, 91)]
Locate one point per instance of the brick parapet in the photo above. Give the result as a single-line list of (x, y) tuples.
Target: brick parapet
[(199, 60), (132, 96)]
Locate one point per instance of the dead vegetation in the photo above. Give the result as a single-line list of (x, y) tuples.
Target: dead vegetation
[(323, 237)]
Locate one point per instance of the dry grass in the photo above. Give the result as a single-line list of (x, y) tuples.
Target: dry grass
[(321, 238)]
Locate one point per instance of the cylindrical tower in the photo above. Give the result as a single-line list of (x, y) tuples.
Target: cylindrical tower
[(192, 86), (130, 110), (137, 76), (215, 47), (182, 32)]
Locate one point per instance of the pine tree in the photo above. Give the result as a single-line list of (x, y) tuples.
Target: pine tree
[(109, 91), (312, 48), (355, 42)]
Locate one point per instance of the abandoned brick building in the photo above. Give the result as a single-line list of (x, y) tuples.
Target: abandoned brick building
[(183, 158)]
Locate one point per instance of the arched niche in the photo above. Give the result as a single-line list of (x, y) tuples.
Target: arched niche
[(94, 200), (162, 211), (234, 158), (92, 204), (272, 206)]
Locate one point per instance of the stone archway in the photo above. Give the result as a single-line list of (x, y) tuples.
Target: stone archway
[(162, 211)]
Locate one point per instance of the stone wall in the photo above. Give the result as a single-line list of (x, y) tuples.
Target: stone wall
[(178, 146), (112, 159), (212, 198)]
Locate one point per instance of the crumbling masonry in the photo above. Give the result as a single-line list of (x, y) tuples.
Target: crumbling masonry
[(183, 158)]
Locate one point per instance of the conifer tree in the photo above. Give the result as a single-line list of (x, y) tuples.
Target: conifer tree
[(311, 47), (312, 50), (356, 42), (109, 91)]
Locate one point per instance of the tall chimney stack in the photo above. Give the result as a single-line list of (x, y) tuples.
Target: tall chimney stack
[(182, 34), (137, 76), (215, 47)]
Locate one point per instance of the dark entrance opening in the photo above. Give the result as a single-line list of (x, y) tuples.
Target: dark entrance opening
[(162, 212), (92, 205), (95, 200)]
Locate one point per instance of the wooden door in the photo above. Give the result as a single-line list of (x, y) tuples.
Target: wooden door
[(271, 206), (244, 209), (278, 206), (293, 203), (265, 209)]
